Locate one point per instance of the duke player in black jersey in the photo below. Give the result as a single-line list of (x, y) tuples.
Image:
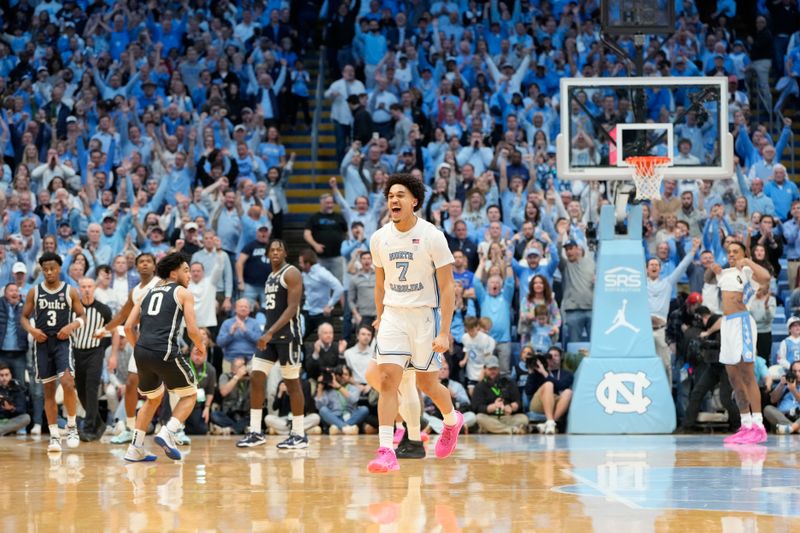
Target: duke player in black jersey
[(52, 305), (160, 317), (281, 342)]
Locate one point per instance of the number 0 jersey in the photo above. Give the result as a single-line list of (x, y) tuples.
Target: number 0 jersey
[(161, 320), (409, 261), (276, 300), (53, 308)]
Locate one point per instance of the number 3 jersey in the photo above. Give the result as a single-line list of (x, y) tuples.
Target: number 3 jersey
[(161, 320), (409, 261), (53, 309), (276, 300)]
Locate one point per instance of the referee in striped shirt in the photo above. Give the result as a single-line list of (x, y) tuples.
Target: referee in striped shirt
[(89, 353)]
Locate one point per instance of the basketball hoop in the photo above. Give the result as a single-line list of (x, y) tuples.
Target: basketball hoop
[(648, 174)]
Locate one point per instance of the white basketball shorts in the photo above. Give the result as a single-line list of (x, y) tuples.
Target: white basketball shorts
[(405, 338), (738, 335)]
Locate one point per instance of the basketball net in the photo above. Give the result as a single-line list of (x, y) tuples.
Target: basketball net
[(648, 172)]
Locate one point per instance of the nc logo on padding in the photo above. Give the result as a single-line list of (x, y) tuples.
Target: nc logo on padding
[(627, 387)]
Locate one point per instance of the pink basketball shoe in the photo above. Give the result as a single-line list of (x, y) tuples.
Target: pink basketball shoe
[(385, 461), (449, 439), (398, 435), (760, 432), (736, 437)]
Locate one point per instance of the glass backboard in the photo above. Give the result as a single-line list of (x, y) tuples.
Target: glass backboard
[(605, 120)]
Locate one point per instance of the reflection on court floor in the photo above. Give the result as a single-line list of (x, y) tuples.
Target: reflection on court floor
[(493, 483)]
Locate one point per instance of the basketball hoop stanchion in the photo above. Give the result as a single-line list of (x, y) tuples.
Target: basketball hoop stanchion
[(622, 387), (648, 175)]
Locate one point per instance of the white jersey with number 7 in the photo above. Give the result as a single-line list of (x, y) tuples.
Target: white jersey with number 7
[(409, 261)]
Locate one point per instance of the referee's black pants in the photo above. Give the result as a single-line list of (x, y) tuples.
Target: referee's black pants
[(88, 371)]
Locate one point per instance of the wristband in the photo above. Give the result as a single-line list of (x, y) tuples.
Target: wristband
[(80, 320)]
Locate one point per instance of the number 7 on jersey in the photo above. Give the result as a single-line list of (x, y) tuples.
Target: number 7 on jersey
[(403, 266)]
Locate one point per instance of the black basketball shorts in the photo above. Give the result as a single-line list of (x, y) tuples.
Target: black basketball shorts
[(175, 372), (287, 354), (53, 359)]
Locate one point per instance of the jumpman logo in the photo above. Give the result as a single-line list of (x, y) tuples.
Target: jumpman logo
[(620, 321)]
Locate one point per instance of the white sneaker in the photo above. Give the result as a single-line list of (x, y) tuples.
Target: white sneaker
[(36, 430), (123, 438), (550, 427), (55, 445), (783, 429), (182, 439), (73, 439), (138, 454), (166, 439), (316, 430), (119, 427), (334, 430), (540, 428), (350, 430)]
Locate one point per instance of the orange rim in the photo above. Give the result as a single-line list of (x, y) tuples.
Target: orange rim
[(645, 165)]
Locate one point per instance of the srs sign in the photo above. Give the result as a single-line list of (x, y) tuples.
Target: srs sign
[(622, 279)]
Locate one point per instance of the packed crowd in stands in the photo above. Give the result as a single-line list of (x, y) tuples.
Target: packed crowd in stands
[(143, 127)]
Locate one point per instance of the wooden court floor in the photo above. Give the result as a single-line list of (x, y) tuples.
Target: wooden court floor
[(492, 483)]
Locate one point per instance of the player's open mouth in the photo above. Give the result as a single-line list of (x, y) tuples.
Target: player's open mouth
[(395, 209)]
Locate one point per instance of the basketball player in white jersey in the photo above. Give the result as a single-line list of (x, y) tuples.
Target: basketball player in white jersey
[(737, 285), (413, 274), (146, 267)]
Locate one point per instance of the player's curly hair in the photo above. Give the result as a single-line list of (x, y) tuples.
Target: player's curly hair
[(411, 183), (143, 255), (50, 256), (170, 263)]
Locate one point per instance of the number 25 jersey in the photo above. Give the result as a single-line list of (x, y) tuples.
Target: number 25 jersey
[(276, 300), (409, 261)]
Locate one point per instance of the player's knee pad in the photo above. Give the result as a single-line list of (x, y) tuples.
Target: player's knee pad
[(290, 372), (260, 365), (153, 394), (183, 392)]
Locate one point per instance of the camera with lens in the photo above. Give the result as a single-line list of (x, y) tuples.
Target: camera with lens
[(790, 378), (696, 321), (710, 344), (326, 377), (541, 357)]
